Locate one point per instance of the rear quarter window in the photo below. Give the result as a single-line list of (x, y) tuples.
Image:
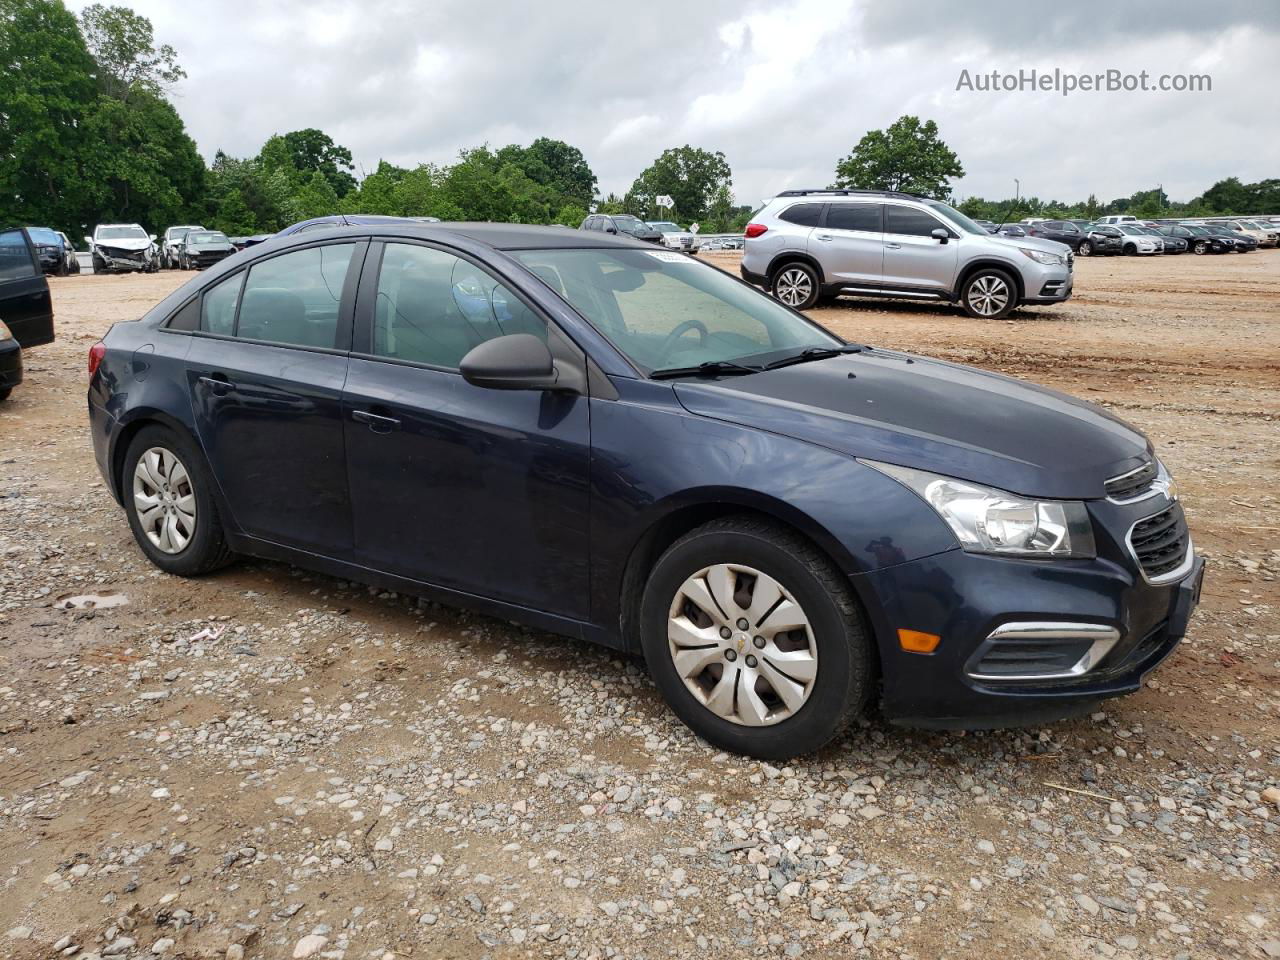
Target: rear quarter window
[(15, 258), (803, 214)]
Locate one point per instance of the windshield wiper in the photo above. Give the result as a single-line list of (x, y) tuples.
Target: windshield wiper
[(710, 368), (815, 353)]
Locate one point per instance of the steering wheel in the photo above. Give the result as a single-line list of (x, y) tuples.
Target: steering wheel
[(670, 340)]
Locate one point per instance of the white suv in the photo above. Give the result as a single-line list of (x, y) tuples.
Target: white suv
[(805, 245)]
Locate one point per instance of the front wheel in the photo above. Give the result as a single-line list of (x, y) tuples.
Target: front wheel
[(989, 295), (1085, 250), (796, 285), (755, 639), (166, 489), (1200, 249)]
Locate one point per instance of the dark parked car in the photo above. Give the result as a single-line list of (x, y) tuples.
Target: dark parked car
[(1062, 231), (55, 256), (619, 443), (26, 310), (622, 225), (1243, 242), (1172, 244), (1101, 239), (349, 220), (1201, 240), (204, 248)]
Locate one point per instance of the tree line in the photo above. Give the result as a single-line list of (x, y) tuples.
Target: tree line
[(88, 135)]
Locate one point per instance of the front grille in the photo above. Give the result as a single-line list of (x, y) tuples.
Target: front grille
[(1160, 543), (1135, 483), (122, 254)]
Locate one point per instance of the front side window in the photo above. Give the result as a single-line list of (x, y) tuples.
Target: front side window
[(433, 307), (15, 258), (907, 221), (856, 216), (294, 299), (664, 310)]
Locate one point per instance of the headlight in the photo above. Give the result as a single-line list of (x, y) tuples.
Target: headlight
[(5, 332), (986, 520), (1043, 256)]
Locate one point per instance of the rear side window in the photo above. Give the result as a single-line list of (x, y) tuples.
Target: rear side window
[(15, 258), (803, 214), (294, 299), (855, 216), (907, 221), (433, 307), (218, 306)]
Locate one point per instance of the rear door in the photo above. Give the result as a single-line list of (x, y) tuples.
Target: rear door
[(266, 369), (850, 244), (25, 305), (913, 258)]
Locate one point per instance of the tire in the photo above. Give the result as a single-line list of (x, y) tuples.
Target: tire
[(4, 393), (982, 294), (1085, 249), (1130, 250), (796, 285), (1200, 249), (205, 548), (99, 265), (830, 658)]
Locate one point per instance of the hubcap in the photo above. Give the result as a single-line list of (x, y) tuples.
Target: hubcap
[(793, 287), (742, 645), (988, 295), (164, 500), (1086, 248)]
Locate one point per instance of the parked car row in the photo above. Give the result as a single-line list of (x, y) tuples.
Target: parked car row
[(1128, 236)]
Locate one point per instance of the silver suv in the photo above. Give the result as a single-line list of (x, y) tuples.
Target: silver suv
[(807, 245)]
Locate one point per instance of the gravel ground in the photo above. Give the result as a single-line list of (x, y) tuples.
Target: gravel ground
[(271, 763)]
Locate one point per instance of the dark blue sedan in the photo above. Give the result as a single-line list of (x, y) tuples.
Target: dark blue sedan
[(621, 444)]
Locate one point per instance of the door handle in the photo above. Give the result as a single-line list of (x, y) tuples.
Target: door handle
[(219, 386), (893, 246), (376, 421), (825, 237)]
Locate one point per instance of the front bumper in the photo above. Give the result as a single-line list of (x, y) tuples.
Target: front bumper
[(1047, 284), (119, 260), (10, 364), (1124, 627)]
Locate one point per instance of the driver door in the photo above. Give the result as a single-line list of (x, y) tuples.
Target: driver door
[(478, 490)]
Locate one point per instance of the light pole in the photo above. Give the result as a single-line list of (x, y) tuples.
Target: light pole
[(1017, 190)]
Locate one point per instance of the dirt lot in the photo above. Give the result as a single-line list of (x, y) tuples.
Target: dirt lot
[(266, 762)]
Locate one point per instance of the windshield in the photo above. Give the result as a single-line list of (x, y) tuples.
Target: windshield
[(43, 235), (1131, 230), (630, 224), (663, 227), (121, 233), (666, 310), (955, 216), (199, 239), (177, 233)]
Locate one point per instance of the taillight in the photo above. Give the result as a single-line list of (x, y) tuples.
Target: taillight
[(96, 353), (755, 230)]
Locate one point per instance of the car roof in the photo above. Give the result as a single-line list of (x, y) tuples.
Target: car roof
[(499, 236)]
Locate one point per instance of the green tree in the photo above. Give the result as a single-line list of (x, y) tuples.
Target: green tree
[(46, 80), (123, 44), (315, 198), (691, 176), (556, 165), (908, 156), (313, 149)]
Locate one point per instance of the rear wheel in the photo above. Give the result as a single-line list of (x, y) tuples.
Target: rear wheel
[(755, 639), (166, 490), (796, 285), (989, 294)]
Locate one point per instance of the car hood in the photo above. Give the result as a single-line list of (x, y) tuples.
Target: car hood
[(937, 416), (1034, 243), (125, 243)]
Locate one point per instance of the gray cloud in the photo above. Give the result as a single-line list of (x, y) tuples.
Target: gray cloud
[(784, 88)]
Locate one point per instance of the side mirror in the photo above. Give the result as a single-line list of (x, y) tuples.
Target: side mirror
[(152, 236), (941, 235), (610, 229), (89, 240), (517, 361)]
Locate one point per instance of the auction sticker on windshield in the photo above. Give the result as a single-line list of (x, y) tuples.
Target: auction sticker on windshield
[(669, 257)]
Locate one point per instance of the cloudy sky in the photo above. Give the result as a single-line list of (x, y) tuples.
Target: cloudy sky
[(783, 88)]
